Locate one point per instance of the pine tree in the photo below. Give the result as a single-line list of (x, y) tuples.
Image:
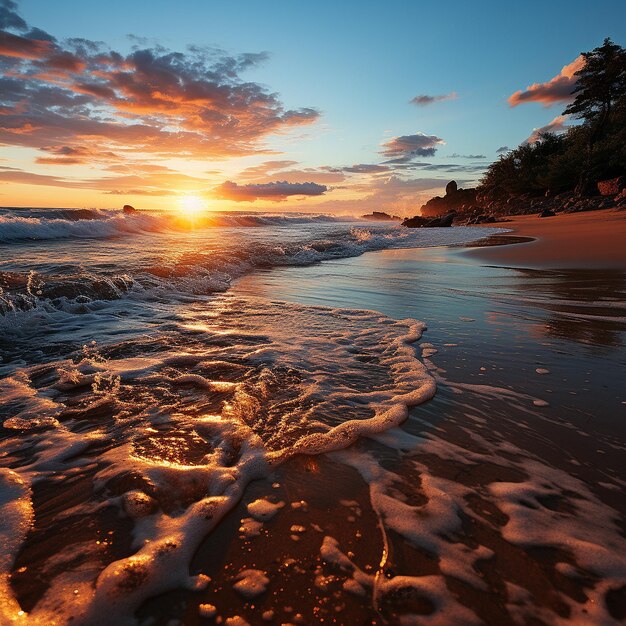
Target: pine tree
[(601, 82)]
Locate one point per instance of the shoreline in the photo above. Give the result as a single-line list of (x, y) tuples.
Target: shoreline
[(589, 240), (419, 522), (517, 428)]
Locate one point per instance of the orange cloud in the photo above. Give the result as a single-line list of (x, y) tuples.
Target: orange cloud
[(78, 101), (557, 90), (276, 191), (24, 48)]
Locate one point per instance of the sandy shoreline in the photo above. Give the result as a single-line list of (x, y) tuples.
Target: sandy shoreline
[(528, 403), (595, 239)]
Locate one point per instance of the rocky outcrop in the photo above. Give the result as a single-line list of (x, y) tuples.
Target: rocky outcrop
[(423, 222), (472, 207), (451, 188), (455, 200), (612, 186), (127, 208), (380, 216)]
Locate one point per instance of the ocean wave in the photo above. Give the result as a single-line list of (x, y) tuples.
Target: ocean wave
[(201, 272), (44, 224)]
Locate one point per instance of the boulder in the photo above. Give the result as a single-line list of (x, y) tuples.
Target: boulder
[(451, 188), (612, 186), (441, 222), (414, 222), (547, 213), (379, 216), (423, 222), (129, 209)]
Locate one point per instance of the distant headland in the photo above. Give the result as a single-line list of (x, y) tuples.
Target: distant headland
[(581, 169)]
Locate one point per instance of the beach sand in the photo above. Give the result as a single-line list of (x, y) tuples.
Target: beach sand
[(595, 239)]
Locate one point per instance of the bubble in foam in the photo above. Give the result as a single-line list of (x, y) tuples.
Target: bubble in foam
[(207, 610), (263, 510), (251, 583)]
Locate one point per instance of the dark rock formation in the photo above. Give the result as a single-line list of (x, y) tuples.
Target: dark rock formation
[(547, 213), (451, 188), (424, 222), (415, 222), (380, 216), (129, 209), (455, 200)]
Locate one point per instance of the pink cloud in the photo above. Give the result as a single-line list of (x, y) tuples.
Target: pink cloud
[(557, 125), (556, 90)]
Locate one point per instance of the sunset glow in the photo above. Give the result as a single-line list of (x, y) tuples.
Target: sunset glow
[(191, 205), (312, 313), (93, 117)]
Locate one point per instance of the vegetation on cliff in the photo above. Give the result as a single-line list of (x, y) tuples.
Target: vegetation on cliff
[(587, 153)]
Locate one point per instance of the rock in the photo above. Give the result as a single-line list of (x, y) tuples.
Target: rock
[(451, 188), (612, 186), (441, 222), (129, 209), (414, 222), (547, 213), (454, 200), (379, 216), (422, 222)]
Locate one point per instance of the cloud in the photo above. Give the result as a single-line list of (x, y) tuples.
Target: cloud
[(130, 179), (81, 95), (74, 155), (407, 147), (265, 169), (502, 149), (557, 125), (9, 17), (557, 90), (276, 191), (271, 170), (424, 100), (443, 167), (466, 156), (365, 168)]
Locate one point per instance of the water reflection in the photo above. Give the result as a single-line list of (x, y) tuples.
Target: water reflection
[(585, 306)]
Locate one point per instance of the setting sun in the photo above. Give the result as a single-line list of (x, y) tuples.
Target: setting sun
[(190, 205)]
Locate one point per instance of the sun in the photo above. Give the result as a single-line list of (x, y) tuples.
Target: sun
[(191, 205)]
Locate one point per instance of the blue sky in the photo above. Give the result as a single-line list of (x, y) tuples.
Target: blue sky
[(360, 63)]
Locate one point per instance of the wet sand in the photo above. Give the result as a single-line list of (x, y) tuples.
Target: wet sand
[(530, 394), (595, 239)]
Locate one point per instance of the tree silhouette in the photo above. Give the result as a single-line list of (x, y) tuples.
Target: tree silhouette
[(601, 83)]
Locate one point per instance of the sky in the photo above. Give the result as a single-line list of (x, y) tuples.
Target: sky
[(334, 107)]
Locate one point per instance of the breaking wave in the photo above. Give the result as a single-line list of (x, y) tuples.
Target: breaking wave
[(44, 224)]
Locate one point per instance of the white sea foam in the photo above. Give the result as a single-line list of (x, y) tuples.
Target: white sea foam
[(274, 392)]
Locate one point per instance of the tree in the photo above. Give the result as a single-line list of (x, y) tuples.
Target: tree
[(601, 82)]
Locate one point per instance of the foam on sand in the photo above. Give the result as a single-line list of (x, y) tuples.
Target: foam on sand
[(172, 440)]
